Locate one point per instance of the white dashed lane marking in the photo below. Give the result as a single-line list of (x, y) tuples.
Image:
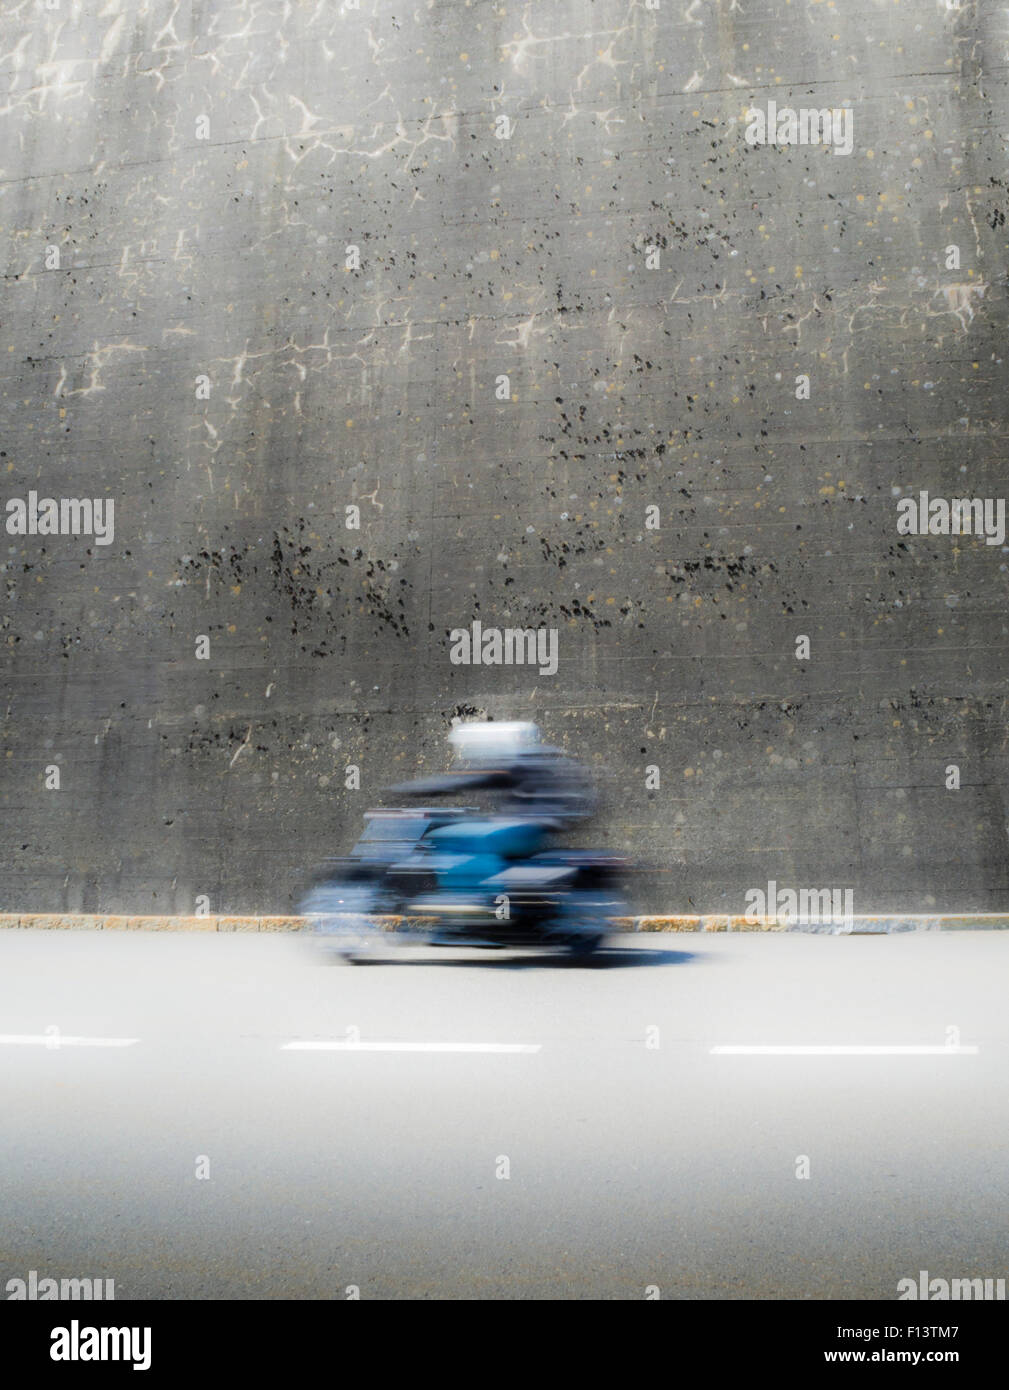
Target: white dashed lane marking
[(54, 1041), (408, 1047), (842, 1050)]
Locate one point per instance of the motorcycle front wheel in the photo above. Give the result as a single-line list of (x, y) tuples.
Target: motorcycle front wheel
[(342, 923)]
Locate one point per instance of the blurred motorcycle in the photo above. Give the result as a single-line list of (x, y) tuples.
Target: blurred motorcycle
[(463, 878)]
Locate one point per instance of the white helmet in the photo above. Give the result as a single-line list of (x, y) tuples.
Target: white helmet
[(489, 740)]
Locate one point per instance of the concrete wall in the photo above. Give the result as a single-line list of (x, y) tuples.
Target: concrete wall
[(630, 387)]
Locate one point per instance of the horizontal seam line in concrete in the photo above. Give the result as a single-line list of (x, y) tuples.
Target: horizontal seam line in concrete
[(879, 924)]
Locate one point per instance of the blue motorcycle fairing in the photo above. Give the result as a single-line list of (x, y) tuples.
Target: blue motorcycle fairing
[(468, 872), (502, 839)]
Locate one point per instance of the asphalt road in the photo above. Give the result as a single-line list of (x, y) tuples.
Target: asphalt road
[(636, 1155)]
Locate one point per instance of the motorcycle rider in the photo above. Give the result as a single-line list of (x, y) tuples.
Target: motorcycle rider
[(539, 791), (535, 782)]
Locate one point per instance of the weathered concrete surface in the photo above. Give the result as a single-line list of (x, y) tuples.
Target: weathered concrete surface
[(183, 257)]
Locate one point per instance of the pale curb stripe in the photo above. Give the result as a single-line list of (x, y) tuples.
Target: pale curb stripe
[(880, 925)]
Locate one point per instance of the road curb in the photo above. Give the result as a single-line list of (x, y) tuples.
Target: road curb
[(704, 922)]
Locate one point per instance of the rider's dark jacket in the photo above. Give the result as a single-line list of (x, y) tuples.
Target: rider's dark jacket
[(543, 783)]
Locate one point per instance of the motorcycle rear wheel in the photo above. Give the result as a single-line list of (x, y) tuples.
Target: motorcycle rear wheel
[(583, 922)]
